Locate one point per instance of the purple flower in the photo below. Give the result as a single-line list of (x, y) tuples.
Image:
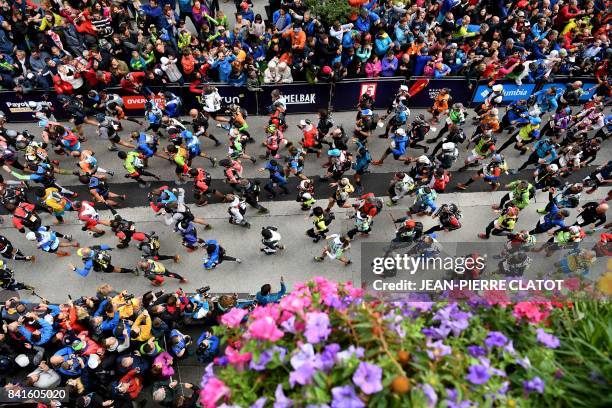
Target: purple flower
[(437, 350), (327, 358), (280, 400), (345, 397), (546, 339), (343, 356), (430, 393), (304, 365), (266, 356), (437, 333), (478, 374), (535, 384), (289, 325), (476, 351), (262, 361), (317, 327), (495, 339), (368, 377), (260, 403)]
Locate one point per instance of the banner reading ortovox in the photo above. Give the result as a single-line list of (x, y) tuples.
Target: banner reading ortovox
[(459, 91), (300, 97), (346, 94), (512, 92)]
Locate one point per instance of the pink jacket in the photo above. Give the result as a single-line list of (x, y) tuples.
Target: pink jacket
[(373, 69), (165, 360)]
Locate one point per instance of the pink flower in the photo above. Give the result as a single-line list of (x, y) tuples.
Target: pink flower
[(497, 297), (233, 318), (295, 303), (236, 358), (271, 310), (532, 311), (265, 328), (213, 391), (572, 284)]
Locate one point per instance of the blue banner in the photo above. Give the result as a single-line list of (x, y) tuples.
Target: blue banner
[(512, 92), (589, 87)]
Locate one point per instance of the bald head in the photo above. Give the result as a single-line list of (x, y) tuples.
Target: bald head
[(602, 208)]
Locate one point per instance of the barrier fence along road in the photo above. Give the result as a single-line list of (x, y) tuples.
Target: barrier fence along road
[(301, 97)]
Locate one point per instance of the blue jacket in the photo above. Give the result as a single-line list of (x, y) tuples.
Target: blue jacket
[(211, 352), (46, 332), (275, 173), (271, 297), (156, 14), (213, 259), (88, 262), (544, 147), (224, 67), (364, 24), (400, 144)]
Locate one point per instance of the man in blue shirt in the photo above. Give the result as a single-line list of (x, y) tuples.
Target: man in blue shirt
[(265, 295)]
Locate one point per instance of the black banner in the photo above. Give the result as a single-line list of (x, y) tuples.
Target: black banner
[(347, 93), (21, 108), (300, 97), (459, 91)]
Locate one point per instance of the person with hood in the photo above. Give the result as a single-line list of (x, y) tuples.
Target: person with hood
[(215, 255)]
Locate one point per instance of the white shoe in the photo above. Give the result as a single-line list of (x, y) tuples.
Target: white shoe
[(238, 260)]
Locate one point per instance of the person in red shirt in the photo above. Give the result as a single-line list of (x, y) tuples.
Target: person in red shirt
[(309, 139), (130, 385)]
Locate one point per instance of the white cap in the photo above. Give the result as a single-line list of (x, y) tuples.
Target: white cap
[(498, 88), (303, 122), (423, 159), (400, 132), (404, 88), (31, 236), (93, 361), (554, 167), (164, 60), (22, 360), (271, 64), (494, 111)]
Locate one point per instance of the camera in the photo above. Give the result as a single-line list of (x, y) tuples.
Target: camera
[(128, 297), (203, 290)]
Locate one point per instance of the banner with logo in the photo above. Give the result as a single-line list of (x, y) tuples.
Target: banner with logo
[(21, 108), (589, 87), (346, 94), (512, 92), (300, 97), (459, 91)]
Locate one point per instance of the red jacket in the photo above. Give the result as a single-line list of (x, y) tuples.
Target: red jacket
[(134, 381)]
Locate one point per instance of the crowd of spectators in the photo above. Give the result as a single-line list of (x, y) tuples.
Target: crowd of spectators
[(77, 44), (115, 349)]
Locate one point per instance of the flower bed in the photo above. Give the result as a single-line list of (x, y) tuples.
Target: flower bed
[(326, 345)]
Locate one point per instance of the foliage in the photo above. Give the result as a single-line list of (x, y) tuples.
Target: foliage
[(326, 345), (329, 11)]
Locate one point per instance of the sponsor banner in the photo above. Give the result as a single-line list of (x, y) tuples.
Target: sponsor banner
[(134, 102), (459, 91), (347, 93), (21, 108), (229, 95), (589, 87), (512, 92), (300, 97)]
